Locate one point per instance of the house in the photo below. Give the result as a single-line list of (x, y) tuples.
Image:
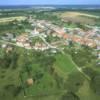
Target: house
[(22, 38), (34, 32), (40, 46), (98, 55), (53, 51), (23, 41), (4, 45), (7, 36)]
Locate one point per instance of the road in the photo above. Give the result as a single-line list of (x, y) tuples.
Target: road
[(50, 46), (38, 35)]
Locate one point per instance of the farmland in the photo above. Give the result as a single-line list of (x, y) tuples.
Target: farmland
[(19, 18), (78, 17), (49, 55), (45, 84)]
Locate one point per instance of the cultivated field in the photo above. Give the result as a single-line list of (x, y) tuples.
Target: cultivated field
[(78, 17), (77, 14), (3, 20)]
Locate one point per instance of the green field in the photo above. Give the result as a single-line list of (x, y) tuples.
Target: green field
[(47, 84), (64, 64), (46, 87), (53, 74)]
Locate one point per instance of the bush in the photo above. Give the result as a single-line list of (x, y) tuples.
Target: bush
[(70, 96)]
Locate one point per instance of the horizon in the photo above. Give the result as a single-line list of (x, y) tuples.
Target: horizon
[(49, 2), (52, 5)]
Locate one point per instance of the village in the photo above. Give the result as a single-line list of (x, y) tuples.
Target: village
[(49, 54), (43, 30)]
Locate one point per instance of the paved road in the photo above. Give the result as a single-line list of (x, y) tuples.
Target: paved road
[(50, 46)]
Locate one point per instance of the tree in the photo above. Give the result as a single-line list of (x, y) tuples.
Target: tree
[(59, 80), (95, 84), (90, 72), (70, 96), (13, 89), (74, 82)]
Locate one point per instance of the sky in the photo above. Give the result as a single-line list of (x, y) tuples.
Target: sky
[(48, 2)]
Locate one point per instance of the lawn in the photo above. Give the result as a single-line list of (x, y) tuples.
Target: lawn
[(64, 64)]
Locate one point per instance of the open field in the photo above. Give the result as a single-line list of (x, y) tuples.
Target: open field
[(45, 88), (78, 17), (64, 65), (77, 14), (92, 12), (86, 93), (47, 84), (3, 20), (52, 74)]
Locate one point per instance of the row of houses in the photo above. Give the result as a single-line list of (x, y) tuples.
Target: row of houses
[(77, 35), (24, 41)]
